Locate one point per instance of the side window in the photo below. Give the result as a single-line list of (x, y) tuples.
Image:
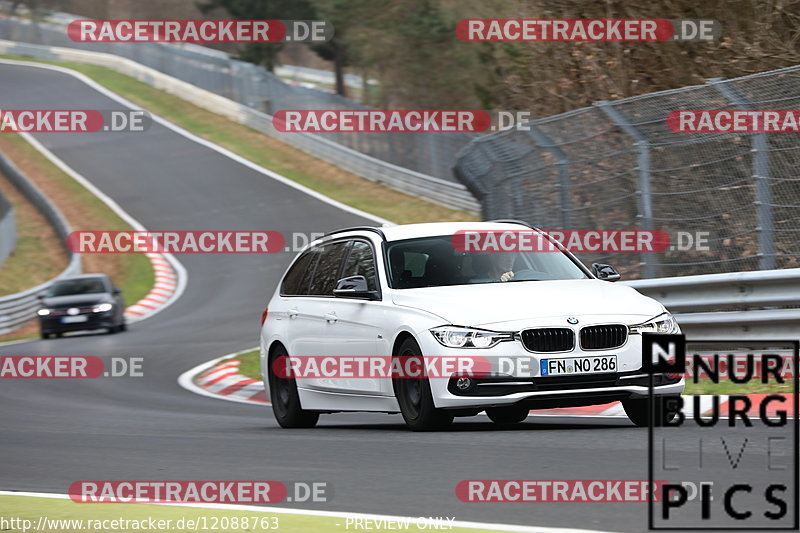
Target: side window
[(361, 262), (327, 271), (292, 282)]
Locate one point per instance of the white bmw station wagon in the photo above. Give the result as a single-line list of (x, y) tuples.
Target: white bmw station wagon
[(502, 332)]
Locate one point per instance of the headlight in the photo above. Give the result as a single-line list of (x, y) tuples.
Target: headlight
[(43, 312), (102, 308), (664, 323), (458, 337)]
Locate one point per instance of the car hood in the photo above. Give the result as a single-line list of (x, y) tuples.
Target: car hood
[(76, 299), (529, 303)]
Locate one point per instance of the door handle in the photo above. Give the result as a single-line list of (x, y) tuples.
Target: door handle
[(330, 317), (292, 313)]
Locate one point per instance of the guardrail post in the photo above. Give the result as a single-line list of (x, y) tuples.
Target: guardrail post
[(562, 162), (760, 149), (643, 166)]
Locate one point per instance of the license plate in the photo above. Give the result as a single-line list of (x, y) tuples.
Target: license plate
[(74, 319), (578, 365)]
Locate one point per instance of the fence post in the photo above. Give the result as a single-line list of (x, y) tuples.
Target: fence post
[(562, 162), (643, 166), (760, 149)]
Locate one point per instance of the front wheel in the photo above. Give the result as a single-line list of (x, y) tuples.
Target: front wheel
[(503, 416), (415, 398), (664, 409), (285, 400)]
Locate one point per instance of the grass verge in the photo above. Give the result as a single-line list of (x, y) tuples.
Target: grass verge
[(263, 150), (706, 386), (84, 211), (66, 516), (250, 365)]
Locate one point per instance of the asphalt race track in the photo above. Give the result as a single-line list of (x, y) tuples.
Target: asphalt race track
[(55, 432)]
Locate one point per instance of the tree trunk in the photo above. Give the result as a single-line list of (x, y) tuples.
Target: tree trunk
[(338, 67)]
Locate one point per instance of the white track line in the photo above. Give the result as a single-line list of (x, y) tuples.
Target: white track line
[(338, 514), (199, 140)]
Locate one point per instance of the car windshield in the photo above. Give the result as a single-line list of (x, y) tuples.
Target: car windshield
[(76, 286), (435, 262)]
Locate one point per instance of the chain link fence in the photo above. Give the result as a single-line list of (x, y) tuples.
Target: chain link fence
[(428, 153), (616, 165)]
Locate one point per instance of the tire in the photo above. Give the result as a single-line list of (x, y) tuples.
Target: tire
[(505, 416), (123, 326), (58, 334), (285, 400), (638, 410), (44, 335), (415, 398)]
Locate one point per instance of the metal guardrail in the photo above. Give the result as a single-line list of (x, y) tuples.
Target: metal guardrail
[(16, 309), (8, 229), (771, 292)]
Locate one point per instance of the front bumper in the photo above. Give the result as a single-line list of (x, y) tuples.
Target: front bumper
[(509, 384), (53, 324)]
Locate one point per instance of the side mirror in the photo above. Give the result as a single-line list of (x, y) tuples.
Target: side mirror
[(116, 290), (605, 272), (354, 287)]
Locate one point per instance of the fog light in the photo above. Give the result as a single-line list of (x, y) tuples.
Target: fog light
[(463, 384)]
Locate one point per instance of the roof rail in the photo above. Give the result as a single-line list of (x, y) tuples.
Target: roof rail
[(513, 221), (358, 228)]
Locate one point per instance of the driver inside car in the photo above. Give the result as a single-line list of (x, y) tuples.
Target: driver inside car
[(496, 266)]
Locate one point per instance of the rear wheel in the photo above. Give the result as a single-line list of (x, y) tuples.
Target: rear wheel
[(415, 398), (638, 410), (45, 335), (513, 414), (285, 400)]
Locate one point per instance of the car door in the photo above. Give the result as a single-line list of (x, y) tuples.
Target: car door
[(352, 324), (309, 314), (295, 309)]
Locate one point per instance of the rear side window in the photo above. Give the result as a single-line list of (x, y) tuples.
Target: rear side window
[(326, 273), (361, 262), (293, 281)]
